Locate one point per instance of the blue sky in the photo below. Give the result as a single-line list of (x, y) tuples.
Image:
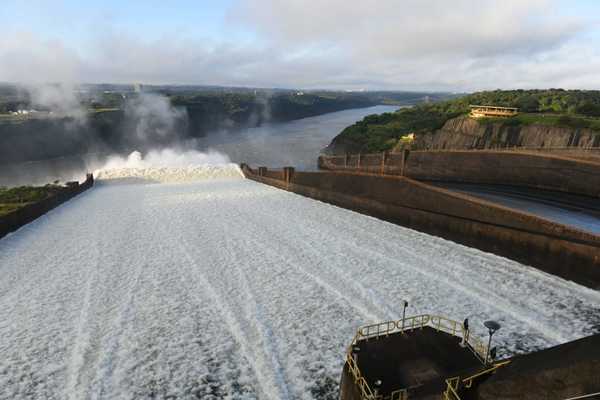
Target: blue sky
[(74, 21), (339, 44)]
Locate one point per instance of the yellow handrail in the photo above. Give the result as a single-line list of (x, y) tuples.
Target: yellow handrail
[(452, 384), (363, 386), (388, 327), (440, 323), (400, 394), (469, 381), (451, 392), (437, 322)]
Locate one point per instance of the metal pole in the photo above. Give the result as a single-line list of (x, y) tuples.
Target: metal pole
[(487, 353), (404, 314)]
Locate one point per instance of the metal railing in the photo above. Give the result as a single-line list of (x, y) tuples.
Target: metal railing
[(436, 322), (505, 148), (359, 381), (451, 392), (522, 149), (585, 396), (453, 385), (468, 382), (401, 326), (400, 394)]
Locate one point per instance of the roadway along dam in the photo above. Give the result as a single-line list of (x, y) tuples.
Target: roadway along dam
[(227, 287)]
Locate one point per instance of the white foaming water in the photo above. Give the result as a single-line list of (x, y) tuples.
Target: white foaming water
[(167, 166), (230, 289)]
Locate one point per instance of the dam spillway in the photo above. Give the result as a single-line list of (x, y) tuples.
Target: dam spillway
[(227, 287)]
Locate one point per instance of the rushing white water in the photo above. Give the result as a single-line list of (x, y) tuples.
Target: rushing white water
[(232, 289), (167, 166), (168, 174)]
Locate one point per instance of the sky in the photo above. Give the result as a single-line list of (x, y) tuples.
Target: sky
[(333, 44)]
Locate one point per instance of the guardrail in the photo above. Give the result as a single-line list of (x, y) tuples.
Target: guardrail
[(438, 150), (451, 392), (524, 149), (453, 384), (468, 382), (585, 396), (400, 394), (384, 329), (437, 322)]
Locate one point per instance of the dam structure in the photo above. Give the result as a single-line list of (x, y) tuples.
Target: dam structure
[(540, 209), (200, 283)]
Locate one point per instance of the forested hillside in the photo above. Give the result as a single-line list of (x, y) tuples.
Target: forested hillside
[(109, 118), (574, 109)]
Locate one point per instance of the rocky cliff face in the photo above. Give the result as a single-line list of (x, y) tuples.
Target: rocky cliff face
[(467, 133)]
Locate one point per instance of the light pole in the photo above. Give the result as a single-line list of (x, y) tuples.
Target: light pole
[(492, 327), (465, 338), (377, 386), (404, 314)]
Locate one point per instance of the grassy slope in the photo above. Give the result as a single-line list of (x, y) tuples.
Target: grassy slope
[(17, 197)]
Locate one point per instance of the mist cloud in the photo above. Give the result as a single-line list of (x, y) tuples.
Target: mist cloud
[(372, 44), (154, 118)]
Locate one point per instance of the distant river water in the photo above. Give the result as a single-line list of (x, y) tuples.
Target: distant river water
[(295, 143)]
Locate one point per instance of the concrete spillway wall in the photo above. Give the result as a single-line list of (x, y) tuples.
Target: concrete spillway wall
[(534, 170), (565, 371), (24, 215), (552, 247)]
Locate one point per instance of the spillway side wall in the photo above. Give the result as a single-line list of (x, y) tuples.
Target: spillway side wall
[(551, 247), (542, 171), (348, 388), (24, 215)]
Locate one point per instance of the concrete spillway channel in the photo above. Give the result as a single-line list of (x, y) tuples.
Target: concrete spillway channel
[(227, 287)]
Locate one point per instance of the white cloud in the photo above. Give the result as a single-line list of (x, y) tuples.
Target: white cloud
[(412, 44)]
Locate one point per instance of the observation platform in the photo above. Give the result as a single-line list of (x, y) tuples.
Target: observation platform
[(432, 357), (411, 358), (492, 111)]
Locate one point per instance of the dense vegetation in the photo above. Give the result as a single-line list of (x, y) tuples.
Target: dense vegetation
[(555, 107), (16, 197), (381, 132), (111, 126)]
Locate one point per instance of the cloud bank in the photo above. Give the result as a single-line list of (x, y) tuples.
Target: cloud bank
[(383, 44)]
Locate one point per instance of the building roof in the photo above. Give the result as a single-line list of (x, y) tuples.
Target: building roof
[(495, 107)]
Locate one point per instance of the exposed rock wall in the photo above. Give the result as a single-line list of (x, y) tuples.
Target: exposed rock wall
[(467, 133)]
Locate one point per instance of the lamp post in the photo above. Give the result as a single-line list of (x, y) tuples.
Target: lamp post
[(492, 327), (377, 387), (404, 314)]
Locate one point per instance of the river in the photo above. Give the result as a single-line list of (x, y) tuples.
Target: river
[(296, 143)]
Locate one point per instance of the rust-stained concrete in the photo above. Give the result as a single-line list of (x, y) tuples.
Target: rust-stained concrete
[(551, 247)]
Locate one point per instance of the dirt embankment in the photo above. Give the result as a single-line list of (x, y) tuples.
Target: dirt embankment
[(467, 133)]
